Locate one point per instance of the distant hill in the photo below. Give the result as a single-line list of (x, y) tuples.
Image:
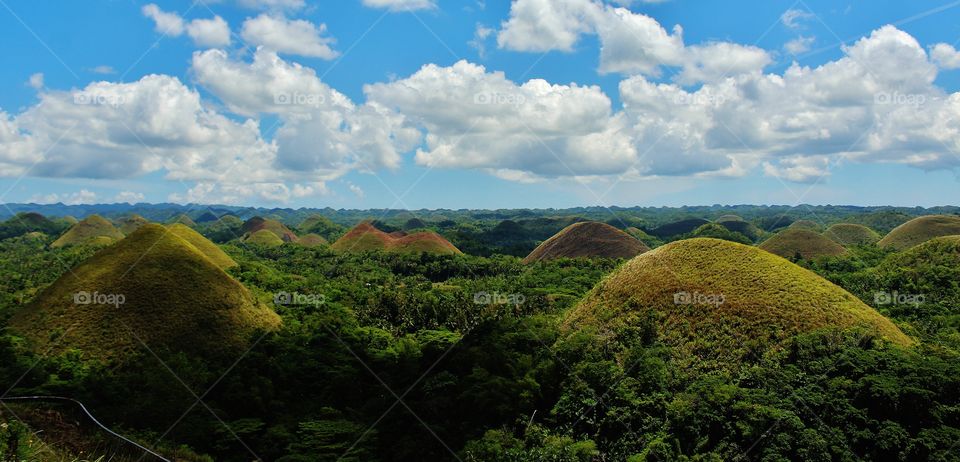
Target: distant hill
[(183, 219), (849, 234), (588, 239), (263, 237), (255, 224), (93, 229), (678, 227), (414, 223), (365, 236), (312, 240), (806, 224), (717, 302), (751, 231), (802, 242), (322, 226), (920, 230), (174, 299), (29, 222), (130, 223)]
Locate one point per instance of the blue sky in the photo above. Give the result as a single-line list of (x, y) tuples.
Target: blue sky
[(600, 131)]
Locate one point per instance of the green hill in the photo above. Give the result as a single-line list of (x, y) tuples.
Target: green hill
[(207, 248), (716, 301), (849, 234), (255, 224), (920, 230), (931, 269), (726, 218), (678, 227), (263, 237), (183, 219), (93, 229), (806, 224), (131, 223), (321, 225), (365, 236), (588, 239), (802, 242), (24, 223), (173, 299)]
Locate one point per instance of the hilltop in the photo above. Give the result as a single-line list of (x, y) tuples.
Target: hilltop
[(717, 301), (131, 223), (799, 241), (920, 230), (255, 224), (312, 240), (263, 237), (589, 239), (29, 222), (207, 248), (365, 236), (91, 230), (174, 299), (849, 234)]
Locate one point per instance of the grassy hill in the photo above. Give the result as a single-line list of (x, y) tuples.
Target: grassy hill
[(174, 299), (263, 237), (255, 224), (806, 224), (920, 230), (849, 234), (322, 226), (365, 236), (93, 229), (130, 223), (312, 240), (207, 248), (29, 222), (765, 300), (802, 242), (183, 219), (678, 227), (588, 239)]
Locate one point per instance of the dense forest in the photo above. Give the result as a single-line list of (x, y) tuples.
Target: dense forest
[(413, 356)]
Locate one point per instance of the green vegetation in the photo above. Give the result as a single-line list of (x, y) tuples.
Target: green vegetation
[(263, 237), (801, 243), (563, 360), (255, 224), (207, 248), (312, 240), (588, 240), (27, 222), (183, 219), (718, 231), (678, 227), (849, 234), (806, 224), (131, 223), (91, 230), (152, 288), (920, 230), (716, 302)]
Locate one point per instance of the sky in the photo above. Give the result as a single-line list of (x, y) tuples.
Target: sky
[(480, 103)]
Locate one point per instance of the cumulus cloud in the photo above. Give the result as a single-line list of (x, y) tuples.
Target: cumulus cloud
[(946, 56), (36, 81), (103, 69), (80, 197), (129, 197), (213, 32), (298, 36), (799, 45), (631, 43), (794, 18), (401, 5)]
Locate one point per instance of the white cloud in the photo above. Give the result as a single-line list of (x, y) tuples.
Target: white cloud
[(401, 5), (36, 81), (166, 23), (799, 45), (946, 56), (273, 5), (631, 43), (298, 37), (799, 169), (479, 41), (793, 18), (103, 69), (213, 32), (80, 197), (356, 190), (129, 197), (209, 32)]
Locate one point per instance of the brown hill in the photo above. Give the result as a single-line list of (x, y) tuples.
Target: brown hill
[(93, 229), (255, 224), (365, 236), (588, 239), (802, 242)]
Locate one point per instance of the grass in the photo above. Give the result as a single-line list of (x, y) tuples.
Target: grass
[(806, 224), (207, 248), (920, 230), (366, 237), (89, 229), (849, 234), (131, 223), (175, 298), (312, 240), (588, 239), (184, 220), (802, 242), (766, 300)]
